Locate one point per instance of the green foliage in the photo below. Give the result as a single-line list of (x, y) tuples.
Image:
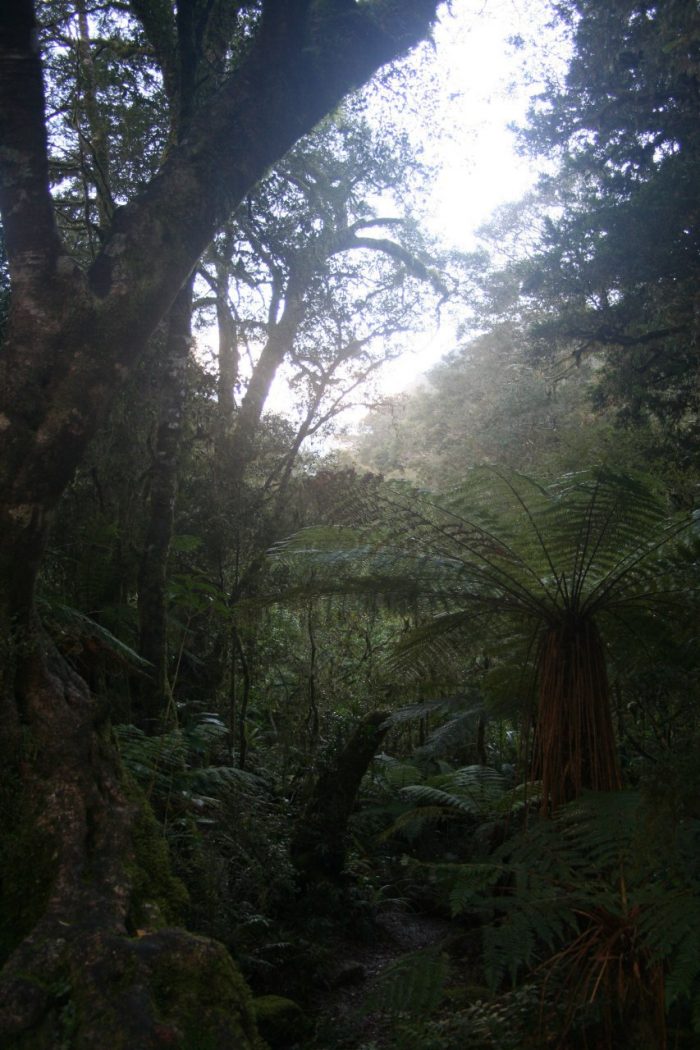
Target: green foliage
[(601, 903), (226, 831), (617, 265), (76, 633), (175, 768), (486, 403), (500, 543), (413, 985), (537, 577), (476, 794)]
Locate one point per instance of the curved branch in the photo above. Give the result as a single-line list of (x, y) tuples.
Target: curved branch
[(394, 251)]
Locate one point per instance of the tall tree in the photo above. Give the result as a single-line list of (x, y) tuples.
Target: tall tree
[(311, 271), (617, 268), (75, 331)]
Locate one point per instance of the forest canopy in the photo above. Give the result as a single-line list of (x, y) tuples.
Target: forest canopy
[(375, 739)]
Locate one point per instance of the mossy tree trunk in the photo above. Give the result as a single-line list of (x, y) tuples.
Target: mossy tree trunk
[(77, 970), (319, 844)]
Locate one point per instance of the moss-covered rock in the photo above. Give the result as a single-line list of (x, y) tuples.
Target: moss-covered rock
[(282, 1022), (167, 989), (200, 992)]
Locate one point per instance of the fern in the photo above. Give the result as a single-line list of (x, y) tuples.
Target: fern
[(413, 985), (74, 631), (596, 903), (397, 774), (176, 770), (468, 885), (476, 793), (538, 576)]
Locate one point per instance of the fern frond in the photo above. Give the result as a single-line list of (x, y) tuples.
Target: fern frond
[(412, 986), (426, 708), (424, 793), (72, 626), (413, 822), (398, 774), (556, 563)]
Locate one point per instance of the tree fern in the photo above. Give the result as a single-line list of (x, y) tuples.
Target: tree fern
[(533, 574)]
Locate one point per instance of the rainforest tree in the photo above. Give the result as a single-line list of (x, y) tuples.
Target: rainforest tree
[(82, 309), (617, 265)]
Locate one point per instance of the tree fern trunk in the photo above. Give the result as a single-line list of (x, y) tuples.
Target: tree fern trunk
[(575, 744)]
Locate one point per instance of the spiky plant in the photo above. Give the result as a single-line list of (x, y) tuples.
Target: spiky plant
[(550, 578)]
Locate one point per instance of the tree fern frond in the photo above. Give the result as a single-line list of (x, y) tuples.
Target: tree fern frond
[(470, 885), (398, 774), (413, 822), (437, 797), (552, 559), (72, 625), (430, 707), (457, 730)]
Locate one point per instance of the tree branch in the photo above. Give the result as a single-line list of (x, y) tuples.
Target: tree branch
[(301, 60), (31, 238)]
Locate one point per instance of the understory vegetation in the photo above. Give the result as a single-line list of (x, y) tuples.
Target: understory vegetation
[(400, 732)]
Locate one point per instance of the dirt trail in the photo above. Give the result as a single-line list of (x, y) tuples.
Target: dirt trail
[(342, 1024)]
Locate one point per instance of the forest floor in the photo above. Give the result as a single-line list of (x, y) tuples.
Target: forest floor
[(344, 1021)]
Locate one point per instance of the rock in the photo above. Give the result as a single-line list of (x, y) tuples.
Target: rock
[(281, 1022)]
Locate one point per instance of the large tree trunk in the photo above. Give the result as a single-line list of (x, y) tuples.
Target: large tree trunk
[(87, 965), (87, 892)]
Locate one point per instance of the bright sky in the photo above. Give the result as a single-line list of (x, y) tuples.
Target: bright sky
[(480, 91), (480, 83), (469, 87)]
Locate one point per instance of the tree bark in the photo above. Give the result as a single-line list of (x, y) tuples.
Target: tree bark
[(574, 747), (228, 353)]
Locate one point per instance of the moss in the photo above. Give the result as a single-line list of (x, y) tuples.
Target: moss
[(158, 898), (27, 866), (200, 991), (170, 988), (281, 1021), (97, 987)]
